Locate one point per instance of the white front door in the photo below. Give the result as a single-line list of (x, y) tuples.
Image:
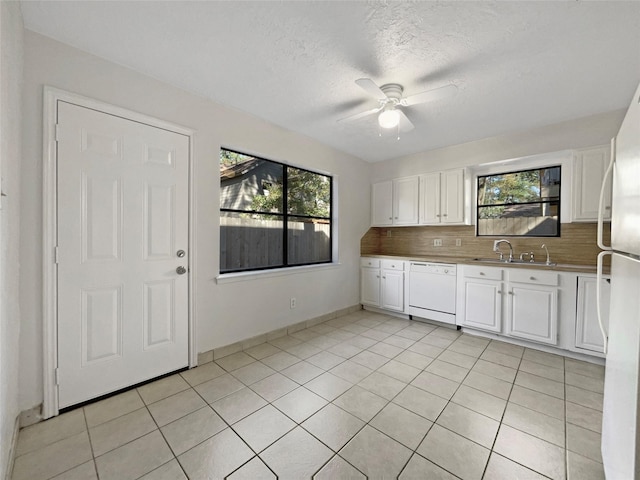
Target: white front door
[(122, 211)]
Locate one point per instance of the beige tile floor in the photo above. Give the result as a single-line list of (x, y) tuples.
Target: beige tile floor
[(364, 395)]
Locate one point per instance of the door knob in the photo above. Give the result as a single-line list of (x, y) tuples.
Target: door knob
[(181, 270)]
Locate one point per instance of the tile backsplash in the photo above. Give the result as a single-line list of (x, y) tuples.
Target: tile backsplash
[(576, 245)]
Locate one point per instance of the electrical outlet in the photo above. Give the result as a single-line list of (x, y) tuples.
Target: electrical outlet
[(292, 302), (437, 242), (388, 233), (458, 242)]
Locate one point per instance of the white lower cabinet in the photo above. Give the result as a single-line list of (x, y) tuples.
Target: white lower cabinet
[(532, 299), (370, 286), (392, 290), (382, 283), (481, 299), (533, 313), (523, 306), (588, 334)]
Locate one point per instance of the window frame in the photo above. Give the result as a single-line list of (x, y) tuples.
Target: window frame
[(541, 202), (285, 215)]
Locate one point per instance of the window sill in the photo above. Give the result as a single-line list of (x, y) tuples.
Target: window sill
[(259, 275)]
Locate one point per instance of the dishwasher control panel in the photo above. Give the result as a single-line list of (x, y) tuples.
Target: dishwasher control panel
[(434, 268)]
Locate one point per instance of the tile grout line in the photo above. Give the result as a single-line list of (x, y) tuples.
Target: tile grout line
[(378, 340)]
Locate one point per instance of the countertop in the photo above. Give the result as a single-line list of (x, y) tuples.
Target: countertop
[(561, 267)]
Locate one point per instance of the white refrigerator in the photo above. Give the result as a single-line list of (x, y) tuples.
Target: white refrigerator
[(621, 407)]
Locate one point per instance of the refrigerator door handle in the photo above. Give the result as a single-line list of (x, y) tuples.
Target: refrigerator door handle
[(607, 174), (605, 336)]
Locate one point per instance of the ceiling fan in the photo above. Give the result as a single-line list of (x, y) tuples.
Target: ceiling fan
[(391, 102)]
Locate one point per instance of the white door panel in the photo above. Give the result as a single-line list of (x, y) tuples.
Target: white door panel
[(533, 313), (122, 216)]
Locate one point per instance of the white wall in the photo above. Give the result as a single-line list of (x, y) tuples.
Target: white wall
[(227, 312), (10, 152), (579, 133)]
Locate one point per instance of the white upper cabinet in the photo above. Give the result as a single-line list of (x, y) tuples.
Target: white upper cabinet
[(442, 197), (430, 198), (382, 203), (395, 202), (405, 201), (452, 196), (590, 166)]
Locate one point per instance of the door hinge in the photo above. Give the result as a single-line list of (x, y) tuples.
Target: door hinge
[(57, 132), (55, 254), (57, 376)]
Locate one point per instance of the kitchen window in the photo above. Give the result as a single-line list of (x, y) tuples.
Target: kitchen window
[(523, 203), (272, 215)]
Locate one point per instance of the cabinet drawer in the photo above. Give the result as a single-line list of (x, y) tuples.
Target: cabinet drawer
[(487, 273), (392, 264), (534, 277), (370, 262)]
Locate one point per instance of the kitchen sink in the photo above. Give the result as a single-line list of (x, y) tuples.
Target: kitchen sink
[(515, 261)]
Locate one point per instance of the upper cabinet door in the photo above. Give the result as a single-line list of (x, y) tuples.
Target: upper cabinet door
[(382, 203), (590, 166), (452, 196), (430, 198), (405, 201)]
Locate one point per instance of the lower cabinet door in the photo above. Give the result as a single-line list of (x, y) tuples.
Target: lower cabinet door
[(588, 335), (533, 313), (483, 305), (392, 290), (370, 286)]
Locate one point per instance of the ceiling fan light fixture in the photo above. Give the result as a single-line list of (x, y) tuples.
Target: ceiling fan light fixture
[(389, 118)]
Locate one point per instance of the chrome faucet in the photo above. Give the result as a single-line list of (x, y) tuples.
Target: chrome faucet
[(546, 250), (496, 248), (532, 257)]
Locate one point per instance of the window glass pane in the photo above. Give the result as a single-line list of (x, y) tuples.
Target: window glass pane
[(256, 231), (249, 183), (309, 193), (529, 220), (309, 240), (509, 188), (525, 203), (250, 241)]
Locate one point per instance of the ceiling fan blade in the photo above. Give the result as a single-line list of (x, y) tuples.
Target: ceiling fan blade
[(371, 88), (430, 95), (357, 116), (405, 123)]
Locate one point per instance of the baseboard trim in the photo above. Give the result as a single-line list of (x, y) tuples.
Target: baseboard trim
[(219, 352), (12, 450), (31, 416)]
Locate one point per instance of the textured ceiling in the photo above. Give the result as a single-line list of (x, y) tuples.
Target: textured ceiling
[(517, 65)]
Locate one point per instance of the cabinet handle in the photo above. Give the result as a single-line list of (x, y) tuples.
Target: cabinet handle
[(510, 293), (396, 218), (384, 277), (607, 208), (438, 215), (377, 276), (390, 218), (444, 215), (532, 278), (482, 273), (499, 291)]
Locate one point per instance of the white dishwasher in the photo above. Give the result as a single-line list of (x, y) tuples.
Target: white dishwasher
[(432, 291)]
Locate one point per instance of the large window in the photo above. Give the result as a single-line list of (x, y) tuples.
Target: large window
[(272, 215), (524, 203)]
